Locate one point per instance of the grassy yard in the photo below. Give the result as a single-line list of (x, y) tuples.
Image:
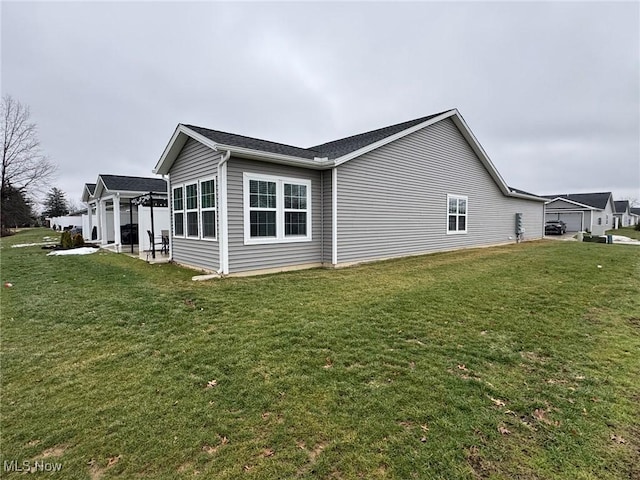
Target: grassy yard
[(520, 361), (630, 232)]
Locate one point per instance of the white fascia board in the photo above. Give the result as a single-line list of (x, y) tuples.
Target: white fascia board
[(482, 155), (392, 138), (86, 194), (466, 133), (573, 202), (528, 197), (100, 187), (241, 152), (173, 148), (181, 134), (171, 151)]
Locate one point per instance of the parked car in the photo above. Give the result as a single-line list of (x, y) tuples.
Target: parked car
[(555, 227)]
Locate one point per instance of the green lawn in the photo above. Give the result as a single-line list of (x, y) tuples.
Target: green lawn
[(520, 361), (630, 232)]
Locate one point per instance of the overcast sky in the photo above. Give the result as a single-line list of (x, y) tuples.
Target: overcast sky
[(551, 90)]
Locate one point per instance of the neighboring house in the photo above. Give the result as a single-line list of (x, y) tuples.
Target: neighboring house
[(243, 205), (623, 213), (116, 210), (634, 213), (591, 212)]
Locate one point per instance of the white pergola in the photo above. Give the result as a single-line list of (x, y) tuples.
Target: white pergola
[(109, 205)]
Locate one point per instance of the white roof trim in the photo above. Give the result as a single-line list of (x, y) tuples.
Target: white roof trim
[(182, 133), (102, 191), (316, 163), (588, 207), (466, 133), (350, 156)]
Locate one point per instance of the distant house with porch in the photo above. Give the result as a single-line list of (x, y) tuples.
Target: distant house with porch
[(623, 213), (119, 210), (581, 212)]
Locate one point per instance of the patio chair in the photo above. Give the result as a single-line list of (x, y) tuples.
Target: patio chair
[(153, 242), (165, 241)]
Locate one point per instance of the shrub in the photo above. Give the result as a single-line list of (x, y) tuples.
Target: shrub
[(65, 240), (78, 240)]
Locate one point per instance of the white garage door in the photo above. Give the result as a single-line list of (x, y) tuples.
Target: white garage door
[(573, 221)]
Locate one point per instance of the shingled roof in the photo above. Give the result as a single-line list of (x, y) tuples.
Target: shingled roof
[(133, 184), (91, 187), (621, 206), (595, 200), (232, 139), (330, 150), (338, 148)]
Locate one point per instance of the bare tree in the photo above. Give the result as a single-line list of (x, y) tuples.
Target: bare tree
[(24, 167)]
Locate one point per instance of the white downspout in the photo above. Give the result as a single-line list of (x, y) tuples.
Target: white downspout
[(167, 180), (334, 216), (223, 238)]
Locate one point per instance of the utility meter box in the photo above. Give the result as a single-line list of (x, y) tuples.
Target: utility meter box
[(519, 224)]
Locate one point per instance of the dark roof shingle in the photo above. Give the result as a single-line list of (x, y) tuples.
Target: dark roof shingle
[(596, 200), (331, 150), (134, 184), (232, 139), (621, 206), (338, 148)]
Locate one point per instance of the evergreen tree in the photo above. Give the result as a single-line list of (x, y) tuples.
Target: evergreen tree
[(17, 209), (56, 204)]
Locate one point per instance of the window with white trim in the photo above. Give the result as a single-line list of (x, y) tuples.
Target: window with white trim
[(457, 213), (208, 208), (178, 211), (276, 209), (191, 197)]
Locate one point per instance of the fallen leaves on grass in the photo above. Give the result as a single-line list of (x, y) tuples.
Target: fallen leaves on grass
[(463, 367), (212, 383), (617, 438), (211, 449), (504, 430), (497, 402), (268, 452), (541, 415), (113, 460), (328, 363)]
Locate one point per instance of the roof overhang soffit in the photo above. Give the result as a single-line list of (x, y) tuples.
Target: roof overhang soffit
[(561, 199), (101, 188), (86, 194), (183, 133), (466, 133)]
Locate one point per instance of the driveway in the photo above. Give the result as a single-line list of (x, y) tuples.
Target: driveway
[(567, 236)]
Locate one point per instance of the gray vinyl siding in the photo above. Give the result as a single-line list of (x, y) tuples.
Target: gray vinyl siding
[(327, 224), (393, 200), (243, 258), (196, 161)]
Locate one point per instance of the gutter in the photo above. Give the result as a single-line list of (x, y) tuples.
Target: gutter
[(318, 163)]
